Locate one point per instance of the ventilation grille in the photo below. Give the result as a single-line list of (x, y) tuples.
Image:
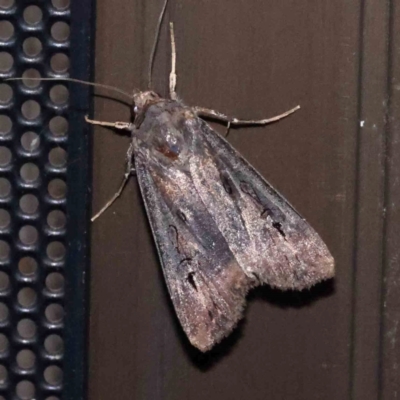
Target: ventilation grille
[(44, 180)]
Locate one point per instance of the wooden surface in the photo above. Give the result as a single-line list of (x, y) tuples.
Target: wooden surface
[(336, 160)]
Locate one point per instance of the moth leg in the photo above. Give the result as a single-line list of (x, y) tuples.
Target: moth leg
[(207, 113), (172, 75), (116, 125), (129, 170)]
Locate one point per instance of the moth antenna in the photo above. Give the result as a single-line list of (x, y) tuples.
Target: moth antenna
[(172, 75), (99, 85), (153, 51)]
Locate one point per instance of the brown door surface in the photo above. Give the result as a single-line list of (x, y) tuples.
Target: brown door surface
[(336, 160)]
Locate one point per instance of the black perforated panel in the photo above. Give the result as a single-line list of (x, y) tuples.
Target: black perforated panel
[(44, 181)]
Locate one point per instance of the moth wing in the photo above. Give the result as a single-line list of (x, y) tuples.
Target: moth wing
[(205, 282), (268, 237), (220, 228)]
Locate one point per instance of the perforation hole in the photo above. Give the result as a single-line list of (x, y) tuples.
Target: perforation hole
[(53, 375), (30, 109), (25, 390), (5, 219), (6, 30), (32, 46), (6, 4), (27, 78), (29, 203), (54, 345), (55, 282), (58, 157), (4, 250), (30, 141), (29, 172), (54, 313), (26, 359), (60, 4), (27, 297), (33, 15), (57, 188), (59, 63), (27, 266), (56, 219), (5, 187), (5, 125), (26, 328), (28, 235), (60, 31), (59, 94), (3, 312), (55, 251), (4, 343), (3, 375), (5, 156), (6, 61), (6, 93), (58, 126), (4, 281)]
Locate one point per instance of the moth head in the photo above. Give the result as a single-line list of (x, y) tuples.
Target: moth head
[(142, 100)]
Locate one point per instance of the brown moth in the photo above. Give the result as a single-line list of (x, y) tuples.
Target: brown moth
[(219, 226)]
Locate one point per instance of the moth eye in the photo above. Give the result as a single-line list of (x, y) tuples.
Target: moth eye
[(278, 227), (190, 279), (181, 216)]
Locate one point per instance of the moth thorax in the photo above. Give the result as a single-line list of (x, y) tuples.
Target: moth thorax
[(169, 141)]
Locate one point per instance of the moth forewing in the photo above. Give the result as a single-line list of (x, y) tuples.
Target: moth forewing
[(220, 228)]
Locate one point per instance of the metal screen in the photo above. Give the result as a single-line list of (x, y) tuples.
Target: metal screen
[(44, 181)]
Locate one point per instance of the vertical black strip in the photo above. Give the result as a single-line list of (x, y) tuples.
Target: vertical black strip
[(78, 200)]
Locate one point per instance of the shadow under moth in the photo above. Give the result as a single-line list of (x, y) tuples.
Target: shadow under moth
[(219, 226)]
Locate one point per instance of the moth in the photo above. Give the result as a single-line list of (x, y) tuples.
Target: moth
[(219, 226)]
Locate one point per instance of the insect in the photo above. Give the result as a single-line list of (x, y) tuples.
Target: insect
[(219, 227)]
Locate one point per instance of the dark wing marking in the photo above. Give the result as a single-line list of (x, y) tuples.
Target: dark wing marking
[(205, 282), (268, 238)]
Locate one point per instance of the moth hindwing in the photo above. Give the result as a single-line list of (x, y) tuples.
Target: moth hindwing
[(220, 228)]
